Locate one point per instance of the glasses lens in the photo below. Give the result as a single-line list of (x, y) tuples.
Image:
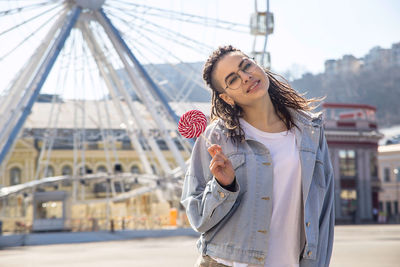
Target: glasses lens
[(248, 66), (234, 81)]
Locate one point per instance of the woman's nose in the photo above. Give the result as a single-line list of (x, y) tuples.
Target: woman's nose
[(245, 76)]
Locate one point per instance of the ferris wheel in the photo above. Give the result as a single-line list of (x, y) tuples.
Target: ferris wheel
[(106, 65)]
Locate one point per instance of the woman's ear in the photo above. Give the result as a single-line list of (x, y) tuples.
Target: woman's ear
[(227, 99)]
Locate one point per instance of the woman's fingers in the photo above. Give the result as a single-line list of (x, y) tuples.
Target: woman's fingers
[(214, 149), (217, 169), (220, 157), (216, 163)]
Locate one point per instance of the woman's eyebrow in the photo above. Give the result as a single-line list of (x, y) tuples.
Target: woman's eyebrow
[(239, 66)]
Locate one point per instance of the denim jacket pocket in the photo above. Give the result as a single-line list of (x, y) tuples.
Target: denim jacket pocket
[(237, 160)]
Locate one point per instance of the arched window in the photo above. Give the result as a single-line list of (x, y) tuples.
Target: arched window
[(118, 168), (85, 170), (66, 170), (101, 168), (49, 172), (135, 169), (15, 176)]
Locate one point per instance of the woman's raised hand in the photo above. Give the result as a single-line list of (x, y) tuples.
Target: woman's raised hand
[(220, 166)]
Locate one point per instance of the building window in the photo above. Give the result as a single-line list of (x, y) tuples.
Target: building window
[(389, 208), (380, 206), (66, 170), (101, 169), (162, 144), (386, 175), (347, 162), (49, 171), (396, 207), (126, 144), (135, 169), (118, 168), (373, 165), (15, 176), (397, 173), (85, 170), (49, 210)]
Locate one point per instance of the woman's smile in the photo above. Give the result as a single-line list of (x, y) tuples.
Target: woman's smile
[(254, 86)]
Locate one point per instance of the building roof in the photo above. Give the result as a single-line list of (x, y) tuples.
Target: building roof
[(389, 148)]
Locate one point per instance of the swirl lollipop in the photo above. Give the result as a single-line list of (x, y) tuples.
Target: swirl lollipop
[(192, 124)]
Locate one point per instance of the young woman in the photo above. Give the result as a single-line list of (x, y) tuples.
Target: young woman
[(262, 194)]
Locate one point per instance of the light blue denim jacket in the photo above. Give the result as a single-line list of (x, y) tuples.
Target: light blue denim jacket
[(234, 225)]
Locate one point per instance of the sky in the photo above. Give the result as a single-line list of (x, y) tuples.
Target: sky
[(306, 32)]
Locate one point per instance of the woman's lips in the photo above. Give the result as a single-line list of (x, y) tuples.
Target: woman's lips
[(253, 86)]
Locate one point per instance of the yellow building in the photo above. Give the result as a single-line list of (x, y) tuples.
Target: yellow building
[(55, 205)]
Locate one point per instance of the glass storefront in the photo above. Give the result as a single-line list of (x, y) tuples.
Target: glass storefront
[(348, 181), (348, 201), (49, 210)]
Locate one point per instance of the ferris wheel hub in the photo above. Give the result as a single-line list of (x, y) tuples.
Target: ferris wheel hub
[(90, 4)]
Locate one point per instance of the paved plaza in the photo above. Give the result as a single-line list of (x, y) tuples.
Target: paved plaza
[(364, 246)]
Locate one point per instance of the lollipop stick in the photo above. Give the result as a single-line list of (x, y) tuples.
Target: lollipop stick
[(206, 139)]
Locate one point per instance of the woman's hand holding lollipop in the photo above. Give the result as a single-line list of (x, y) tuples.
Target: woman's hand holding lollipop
[(192, 124)]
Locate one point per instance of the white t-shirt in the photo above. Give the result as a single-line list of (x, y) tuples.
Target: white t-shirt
[(285, 228)]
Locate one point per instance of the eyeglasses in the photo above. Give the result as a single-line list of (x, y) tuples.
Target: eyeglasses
[(233, 81)]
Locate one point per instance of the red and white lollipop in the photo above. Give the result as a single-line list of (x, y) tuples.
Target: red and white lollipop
[(192, 124)]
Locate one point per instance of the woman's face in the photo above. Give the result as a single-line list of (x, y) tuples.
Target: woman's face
[(242, 80)]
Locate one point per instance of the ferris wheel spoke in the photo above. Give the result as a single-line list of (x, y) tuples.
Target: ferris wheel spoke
[(157, 34), (167, 33), (160, 51), (9, 52), (48, 139), (29, 20), (108, 73), (155, 102), (156, 73), (184, 17), (26, 8)]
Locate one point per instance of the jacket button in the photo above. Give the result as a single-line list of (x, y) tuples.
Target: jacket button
[(262, 231), (265, 198), (221, 194), (308, 224), (267, 163), (309, 253)]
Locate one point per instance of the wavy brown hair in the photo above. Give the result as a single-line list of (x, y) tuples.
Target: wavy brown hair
[(282, 95)]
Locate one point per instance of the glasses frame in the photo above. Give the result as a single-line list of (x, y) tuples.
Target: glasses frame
[(251, 59)]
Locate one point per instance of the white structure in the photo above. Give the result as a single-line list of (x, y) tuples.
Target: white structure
[(389, 175)]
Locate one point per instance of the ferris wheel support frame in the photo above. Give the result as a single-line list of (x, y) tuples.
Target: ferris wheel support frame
[(40, 77), (128, 99), (18, 97), (104, 66), (21, 78), (105, 22), (148, 83)]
